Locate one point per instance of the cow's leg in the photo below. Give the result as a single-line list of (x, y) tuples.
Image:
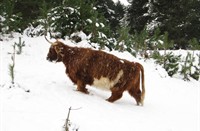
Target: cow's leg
[(71, 76), (135, 92), (116, 94), (81, 87)]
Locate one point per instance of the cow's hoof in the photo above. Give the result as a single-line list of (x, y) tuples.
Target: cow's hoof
[(109, 100), (84, 91)]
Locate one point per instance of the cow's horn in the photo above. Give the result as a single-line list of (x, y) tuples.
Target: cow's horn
[(49, 41)]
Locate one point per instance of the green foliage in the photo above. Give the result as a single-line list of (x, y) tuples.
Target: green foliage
[(140, 41), (20, 45), (179, 18), (196, 73), (11, 73), (155, 39), (112, 13), (168, 61), (187, 66), (63, 20), (12, 66), (138, 15), (97, 29), (198, 55), (124, 41), (68, 18), (158, 57), (71, 17), (194, 43), (10, 21), (166, 43), (171, 64), (44, 15)]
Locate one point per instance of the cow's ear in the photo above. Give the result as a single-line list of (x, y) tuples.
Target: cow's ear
[(59, 50)]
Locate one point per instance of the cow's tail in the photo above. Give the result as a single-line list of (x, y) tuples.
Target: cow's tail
[(143, 83)]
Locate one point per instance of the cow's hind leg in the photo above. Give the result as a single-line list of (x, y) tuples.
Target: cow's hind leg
[(81, 87), (136, 94), (116, 94)]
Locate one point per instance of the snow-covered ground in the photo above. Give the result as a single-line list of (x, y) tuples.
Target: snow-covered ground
[(171, 104)]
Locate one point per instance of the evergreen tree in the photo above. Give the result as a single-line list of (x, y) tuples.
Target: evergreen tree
[(138, 15), (192, 24), (112, 12), (180, 18), (70, 17), (10, 21), (63, 20), (125, 40)]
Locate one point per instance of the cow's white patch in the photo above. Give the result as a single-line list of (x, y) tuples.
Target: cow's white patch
[(105, 83)]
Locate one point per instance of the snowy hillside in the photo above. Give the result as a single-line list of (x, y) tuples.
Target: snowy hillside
[(171, 104)]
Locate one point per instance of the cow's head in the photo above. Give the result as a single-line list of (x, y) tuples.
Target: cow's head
[(56, 51)]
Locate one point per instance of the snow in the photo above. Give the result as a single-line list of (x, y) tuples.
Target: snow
[(124, 2), (97, 24), (89, 20), (80, 34), (171, 104)]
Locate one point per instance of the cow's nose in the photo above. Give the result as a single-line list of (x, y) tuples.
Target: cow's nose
[(48, 59)]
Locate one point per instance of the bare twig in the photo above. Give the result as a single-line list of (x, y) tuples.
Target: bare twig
[(67, 120)]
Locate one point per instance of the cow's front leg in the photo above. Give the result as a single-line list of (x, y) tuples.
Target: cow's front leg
[(81, 87)]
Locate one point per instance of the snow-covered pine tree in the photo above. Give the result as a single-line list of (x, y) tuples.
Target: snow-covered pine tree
[(112, 13), (186, 66), (179, 18), (125, 40), (138, 15), (9, 21), (171, 63), (140, 41), (19, 45)]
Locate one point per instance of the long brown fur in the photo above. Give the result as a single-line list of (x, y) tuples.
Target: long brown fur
[(84, 65)]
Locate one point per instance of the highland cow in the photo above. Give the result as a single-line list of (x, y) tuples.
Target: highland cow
[(85, 66)]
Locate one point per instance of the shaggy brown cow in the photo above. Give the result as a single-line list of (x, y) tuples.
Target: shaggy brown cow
[(85, 66)]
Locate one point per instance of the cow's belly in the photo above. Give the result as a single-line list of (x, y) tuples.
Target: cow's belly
[(105, 83)]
